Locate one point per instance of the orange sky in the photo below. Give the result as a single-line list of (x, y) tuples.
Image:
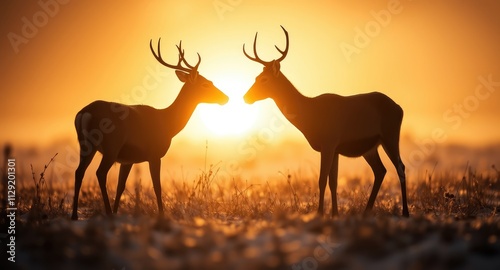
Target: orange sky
[(428, 56)]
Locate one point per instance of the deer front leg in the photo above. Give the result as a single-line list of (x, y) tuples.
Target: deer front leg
[(326, 164), (402, 180), (332, 182), (154, 168)]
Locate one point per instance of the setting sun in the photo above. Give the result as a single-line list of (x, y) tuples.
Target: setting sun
[(235, 117)]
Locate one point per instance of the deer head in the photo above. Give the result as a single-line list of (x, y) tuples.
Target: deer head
[(271, 79), (196, 87)]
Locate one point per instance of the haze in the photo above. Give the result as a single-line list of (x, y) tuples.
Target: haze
[(440, 60)]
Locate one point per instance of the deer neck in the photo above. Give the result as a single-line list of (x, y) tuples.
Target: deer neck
[(178, 113), (289, 100)]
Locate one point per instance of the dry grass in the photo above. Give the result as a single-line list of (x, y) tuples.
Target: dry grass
[(461, 196), (259, 225)]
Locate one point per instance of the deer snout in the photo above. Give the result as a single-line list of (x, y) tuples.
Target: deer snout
[(223, 99), (248, 99)]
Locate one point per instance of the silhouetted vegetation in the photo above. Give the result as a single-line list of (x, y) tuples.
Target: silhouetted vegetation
[(262, 225)]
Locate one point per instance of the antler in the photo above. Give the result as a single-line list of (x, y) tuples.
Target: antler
[(179, 66), (285, 52), (258, 60)]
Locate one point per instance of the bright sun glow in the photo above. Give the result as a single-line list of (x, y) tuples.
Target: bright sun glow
[(235, 117)]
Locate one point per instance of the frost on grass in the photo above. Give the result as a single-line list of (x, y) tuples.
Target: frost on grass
[(279, 242), (240, 224)]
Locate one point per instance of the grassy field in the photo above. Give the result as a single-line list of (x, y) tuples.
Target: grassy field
[(240, 224)]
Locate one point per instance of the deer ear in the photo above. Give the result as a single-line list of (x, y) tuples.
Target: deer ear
[(276, 68), (193, 75), (183, 76)]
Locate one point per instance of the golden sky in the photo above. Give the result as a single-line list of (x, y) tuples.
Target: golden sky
[(431, 57)]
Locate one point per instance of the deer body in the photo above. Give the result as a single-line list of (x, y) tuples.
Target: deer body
[(336, 125), (137, 133), (130, 137), (352, 120)]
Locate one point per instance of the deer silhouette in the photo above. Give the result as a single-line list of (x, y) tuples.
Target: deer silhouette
[(138, 133), (334, 125)]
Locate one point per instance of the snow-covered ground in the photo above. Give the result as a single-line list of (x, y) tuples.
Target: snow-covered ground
[(280, 242)]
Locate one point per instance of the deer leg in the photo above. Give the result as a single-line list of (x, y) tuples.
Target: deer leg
[(373, 159), (402, 180), (392, 150), (332, 182), (102, 173), (79, 173), (154, 169), (326, 164), (122, 179)]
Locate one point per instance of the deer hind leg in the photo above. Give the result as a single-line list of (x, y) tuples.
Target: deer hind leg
[(85, 160), (102, 173), (326, 164), (154, 169), (392, 150), (373, 159), (122, 179), (332, 182)]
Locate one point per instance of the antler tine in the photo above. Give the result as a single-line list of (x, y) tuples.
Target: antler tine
[(255, 47), (199, 61), (181, 51), (183, 59), (284, 52), (256, 58), (160, 59), (248, 56)]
